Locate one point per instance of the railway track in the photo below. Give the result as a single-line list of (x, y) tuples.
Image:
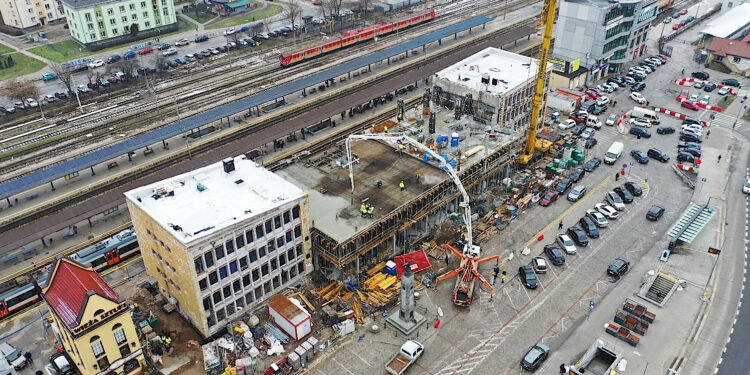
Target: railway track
[(76, 136)]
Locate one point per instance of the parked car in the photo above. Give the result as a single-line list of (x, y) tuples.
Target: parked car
[(578, 236), (638, 86), (731, 82), (676, 26), (658, 155), (528, 277), (49, 76), (642, 122), (554, 254), (129, 55), (597, 217), (539, 264), (723, 91), (588, 133), (113, 59), (615, 200), (591, 142), (665, 130), (683, 157), (577, 193), (577, 174), (690, 138), (608, 211), (746, 186), (640, 132), (563, 185), (710, 86), (624, 194), (567, 124), (145, 51), (548, 198), (611, 119), (96, 63), (62, 364), (50, 98), (592, 164), (696, 152), (700, 75), (565, 243), (12, 355), (638, 98), (689, 104), (668, 20), (589, 226), (201, 38), (699, 84), (633, 188), (618, 267), (655, 212), (170, 51), (705, 100), (639, 156), (229, 31)]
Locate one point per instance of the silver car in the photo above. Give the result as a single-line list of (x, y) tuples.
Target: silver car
[(577, 193)]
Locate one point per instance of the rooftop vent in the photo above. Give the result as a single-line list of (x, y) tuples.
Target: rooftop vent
[(228, 165)]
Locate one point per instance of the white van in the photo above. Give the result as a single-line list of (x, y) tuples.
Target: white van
[(12, 355), (593, 122), (613, 153), (645, 113)]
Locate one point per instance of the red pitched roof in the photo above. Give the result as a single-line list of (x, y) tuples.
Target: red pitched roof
[(69, 289), (731, 47)]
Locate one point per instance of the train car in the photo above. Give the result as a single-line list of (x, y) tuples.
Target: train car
[(109, 252), (355, 36), (19, 297)]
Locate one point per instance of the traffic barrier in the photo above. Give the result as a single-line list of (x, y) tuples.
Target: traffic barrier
[(675, 114), (684, 80)]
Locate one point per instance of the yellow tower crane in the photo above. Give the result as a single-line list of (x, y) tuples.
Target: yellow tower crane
[(548, 20)]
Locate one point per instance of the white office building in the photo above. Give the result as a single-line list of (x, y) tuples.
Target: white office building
[(221, 239)]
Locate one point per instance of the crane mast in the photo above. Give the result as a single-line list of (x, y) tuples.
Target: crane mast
[(548, 20)]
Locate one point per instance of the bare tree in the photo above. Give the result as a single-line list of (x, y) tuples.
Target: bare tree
[(128, 67), (333, 7), (160, 60), (292, 12), (364, 4), (64, 74), (21, 90)]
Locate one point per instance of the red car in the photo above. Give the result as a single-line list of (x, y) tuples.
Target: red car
[(689, 105), (145, 51), (676, 26), (548, 199), (663, 58)]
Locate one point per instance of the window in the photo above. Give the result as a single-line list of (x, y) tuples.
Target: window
[(298, 231), (299, 250), (240, 241), (213, 278), (259, 231), (282, 260), (110, 12), (269, 227), (203, 284), (198, 265), (91, 27), (217, 297), (98, 14), (219, 252), (287, 218), (277, 222), (243, 263), (271, 246), (246, 281), (143, 4), (279, 242), (240, 303), (112, 21), (253, 256), (124, 19), (119, 333), (230, 246), (132, 6), (256, 275), (290, 254), (133, 16), (223, 272), (264, 269), (718, 58), (261, 251), (236, 286), (209, 259), (46, 6), (147, 24), (274, 264), (221, 314), (165, 11), (249, 298), (736, 59), (227, 291), (207, 303), (289, 236), (295, 212), (233, 266), (145, 15), (249, 236), (122, 9), (98, 349), (87, 16), (92, 36)]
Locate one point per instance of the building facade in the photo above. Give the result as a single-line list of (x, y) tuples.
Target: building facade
[(221, 239), (603, 35), (732, 54), (92, 323), (501, 85), (23, 14), (102, 23), (729, 4)]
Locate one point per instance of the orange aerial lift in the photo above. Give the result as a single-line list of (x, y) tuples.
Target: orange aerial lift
[(532, 143)]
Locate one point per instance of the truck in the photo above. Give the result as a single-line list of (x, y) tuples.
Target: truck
[(410, 351), (600, 359), (613, 153), (645, 113)]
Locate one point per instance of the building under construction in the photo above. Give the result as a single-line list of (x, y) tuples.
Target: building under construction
[(401, 198)]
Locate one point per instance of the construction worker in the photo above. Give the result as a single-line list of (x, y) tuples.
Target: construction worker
[(362, 209), (617, 176), (560, 225), (495, 272), (401, 149), (370, 210), (402, 185)]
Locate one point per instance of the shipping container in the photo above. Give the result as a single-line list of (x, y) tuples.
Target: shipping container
[(289, 316)]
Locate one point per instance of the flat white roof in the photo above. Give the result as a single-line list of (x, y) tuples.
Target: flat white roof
[(202, 202), (730, 22), (504, 70)]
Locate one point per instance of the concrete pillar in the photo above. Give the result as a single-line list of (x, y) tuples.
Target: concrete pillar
[(90, 224), (424, 47), (44, 243), (389, 61), (440, 41), (349, 75), (257, 111), (369, 68), (53, 185), (92, 171), (229, 123), (8, 199), (394, 246)]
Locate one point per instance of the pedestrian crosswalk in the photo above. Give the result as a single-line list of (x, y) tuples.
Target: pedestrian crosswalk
[(726, 121)]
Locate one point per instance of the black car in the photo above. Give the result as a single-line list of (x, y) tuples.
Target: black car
[(201, 38), (685, 157), (618, 267), (665, 130), (563, 185), (710, 86), (700, 75), (164, 46), (696, 152), (616, 80), (589, 226), (61, 95), (578, 129), (655, 212), (681, 145), (658, 155), (592, 164), (535, 357), (577, 174), (640, 132), (591, 142), (731, 82), (528, 277), (555, 254), (690, 138), (624, 194), (578, 236), (633, 188), (638, 86), (113, 59), (640, 157)]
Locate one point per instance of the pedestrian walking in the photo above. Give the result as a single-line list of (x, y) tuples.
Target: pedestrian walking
[(563, 369), (402, 185), (683, 71), (708, 133), (719, 159), (495, 272), (29, 360), (503, 277), (560, 225), (446, 259), (617, 176)]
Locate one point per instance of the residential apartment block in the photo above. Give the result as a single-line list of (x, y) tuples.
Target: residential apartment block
[(221, 239), (102, 23), (603, 34), (23, 14), (92, 322)]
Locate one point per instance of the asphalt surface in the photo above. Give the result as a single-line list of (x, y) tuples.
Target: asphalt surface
[(20, 236)]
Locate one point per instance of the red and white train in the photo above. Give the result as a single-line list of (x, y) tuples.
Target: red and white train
[(349, 38)]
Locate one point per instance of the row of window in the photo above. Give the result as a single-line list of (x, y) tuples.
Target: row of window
[(231, 305), (97, 347), (241, 264)]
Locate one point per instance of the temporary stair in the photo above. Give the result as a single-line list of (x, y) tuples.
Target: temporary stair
[(659, 288)]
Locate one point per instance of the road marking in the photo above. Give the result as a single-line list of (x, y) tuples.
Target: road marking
[(358, 356), (342, 366)]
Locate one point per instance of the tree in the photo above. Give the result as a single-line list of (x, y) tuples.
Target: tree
[(160, 60), (128, 67), (64, 74), (333, 7), (21, 90), (364, 4), (291, 13)]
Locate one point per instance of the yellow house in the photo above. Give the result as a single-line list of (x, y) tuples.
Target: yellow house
[(92, 322)]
